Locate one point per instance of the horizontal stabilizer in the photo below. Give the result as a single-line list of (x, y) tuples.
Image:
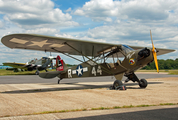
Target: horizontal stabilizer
[(49, 75)]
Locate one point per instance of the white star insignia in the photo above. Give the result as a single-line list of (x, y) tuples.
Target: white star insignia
[(79, 70), (40, 44)]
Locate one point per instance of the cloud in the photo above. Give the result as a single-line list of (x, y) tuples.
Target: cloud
[(136, 34), (97, 10), (110, 21), (43, 31), (1, 24), (34, 13), (86, 38), (69, 10), (145, 10)]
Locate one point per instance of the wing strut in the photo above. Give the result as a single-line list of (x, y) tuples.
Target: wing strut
[(67, 55), (83, 58), (89, 59)]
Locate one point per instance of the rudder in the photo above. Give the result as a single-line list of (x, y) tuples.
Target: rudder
[(60, 64)]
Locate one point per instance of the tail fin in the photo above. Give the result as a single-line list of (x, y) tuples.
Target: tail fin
[(60, 64)]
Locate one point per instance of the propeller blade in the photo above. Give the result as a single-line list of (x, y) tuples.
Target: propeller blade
[(154, 53), (156, 61), (152, 40)]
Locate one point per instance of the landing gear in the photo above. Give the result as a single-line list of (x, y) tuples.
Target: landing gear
[(142, 83), (59, 80), (37, 73), (118, 85)]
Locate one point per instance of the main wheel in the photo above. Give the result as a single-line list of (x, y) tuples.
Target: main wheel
[(118, 85), (143, 83)]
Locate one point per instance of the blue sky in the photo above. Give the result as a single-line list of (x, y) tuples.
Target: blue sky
[(110, 21)]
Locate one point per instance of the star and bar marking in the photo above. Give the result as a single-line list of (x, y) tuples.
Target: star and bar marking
[(35, 43)]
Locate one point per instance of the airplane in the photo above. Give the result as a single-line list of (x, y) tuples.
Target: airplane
[(38, 65), (97, 57)]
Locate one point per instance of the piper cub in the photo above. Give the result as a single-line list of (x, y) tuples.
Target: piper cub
[(99, 59)]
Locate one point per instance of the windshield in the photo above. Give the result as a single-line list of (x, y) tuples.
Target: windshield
[(126, 49)]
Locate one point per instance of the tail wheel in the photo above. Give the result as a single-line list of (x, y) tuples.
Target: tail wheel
[(118, 85), (37, 73), (143, 83)]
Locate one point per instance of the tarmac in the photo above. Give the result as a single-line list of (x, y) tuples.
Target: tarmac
[(24, 95)]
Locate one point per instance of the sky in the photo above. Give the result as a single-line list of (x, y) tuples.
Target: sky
[(110, 21)]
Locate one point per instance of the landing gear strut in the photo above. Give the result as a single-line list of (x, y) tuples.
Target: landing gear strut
[(59, 80), (142, 83), (37, 73)]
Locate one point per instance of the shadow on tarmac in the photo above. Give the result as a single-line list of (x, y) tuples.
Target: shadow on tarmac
[(158, 114), (79, 87)]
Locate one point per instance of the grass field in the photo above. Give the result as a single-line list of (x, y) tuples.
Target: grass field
[(154, 70), (170, 72), (4, 72)]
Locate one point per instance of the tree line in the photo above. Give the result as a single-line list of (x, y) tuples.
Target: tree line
[(163, 64)]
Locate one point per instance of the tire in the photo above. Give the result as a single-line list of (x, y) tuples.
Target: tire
[(143, 83), (118, 85)]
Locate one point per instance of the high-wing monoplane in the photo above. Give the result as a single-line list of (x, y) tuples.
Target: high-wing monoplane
[(99, 59), (38, 65)]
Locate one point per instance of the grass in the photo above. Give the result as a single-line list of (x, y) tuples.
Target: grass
[(153, 70), (4, 72), (173, 72), (170, 72), (100, 108)]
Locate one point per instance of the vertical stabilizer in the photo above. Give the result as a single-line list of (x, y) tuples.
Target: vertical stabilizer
[(60, 64)]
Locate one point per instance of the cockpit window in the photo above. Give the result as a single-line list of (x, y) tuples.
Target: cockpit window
[(126, 49)]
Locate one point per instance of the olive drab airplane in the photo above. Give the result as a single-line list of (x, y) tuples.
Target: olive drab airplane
[(126, 59), (38, 65)]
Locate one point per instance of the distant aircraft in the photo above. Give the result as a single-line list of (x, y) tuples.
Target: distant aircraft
[(38, 65), (96, 53)]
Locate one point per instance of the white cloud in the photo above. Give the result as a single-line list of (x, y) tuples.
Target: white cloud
[(69, 10), (79, 37), (98, 10), (101, 10), (136, 34), (34, 13), (43, 31), (125, 22), (1, 24)]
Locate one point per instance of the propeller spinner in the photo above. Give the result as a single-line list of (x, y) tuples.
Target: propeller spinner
[(154, 53)]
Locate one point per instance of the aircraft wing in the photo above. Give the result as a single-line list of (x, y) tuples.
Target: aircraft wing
[(161, 50), (16, 65), (62, 45), (54, 44)]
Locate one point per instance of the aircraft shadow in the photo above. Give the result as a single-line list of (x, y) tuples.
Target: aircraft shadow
[(81, 86), (157, 114)]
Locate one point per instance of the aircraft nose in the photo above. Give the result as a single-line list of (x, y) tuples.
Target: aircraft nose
[(145, 52)]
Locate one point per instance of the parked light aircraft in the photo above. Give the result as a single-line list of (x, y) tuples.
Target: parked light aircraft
[(95, 56), (38, 65)]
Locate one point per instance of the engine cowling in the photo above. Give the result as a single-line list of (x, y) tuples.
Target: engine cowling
[(145, 52)]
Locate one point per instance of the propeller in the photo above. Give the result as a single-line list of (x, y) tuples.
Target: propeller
[(154, 53)]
